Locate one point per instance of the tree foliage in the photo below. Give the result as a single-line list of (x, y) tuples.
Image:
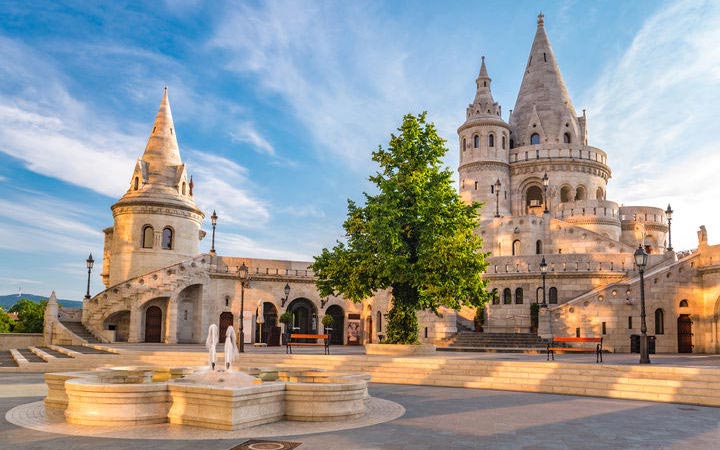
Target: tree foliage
[(30, 316), (5, 322), (415, 236)]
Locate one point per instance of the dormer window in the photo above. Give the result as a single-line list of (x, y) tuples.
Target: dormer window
[(534, 139)]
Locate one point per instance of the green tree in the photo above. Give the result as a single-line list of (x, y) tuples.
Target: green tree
[(5, 322), (415, 236), (30, 316)]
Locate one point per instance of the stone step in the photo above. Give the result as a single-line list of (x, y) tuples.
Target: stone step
[(79, 330)]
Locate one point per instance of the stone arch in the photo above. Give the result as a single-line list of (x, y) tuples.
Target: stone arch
[(534, 197), (153, 324), (507, 296), (118, 321), (338, 314), (566, 193), (305, 318), (600, 194), (581, 193), (268, 332)]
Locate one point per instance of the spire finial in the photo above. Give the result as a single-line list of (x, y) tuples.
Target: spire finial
[(541, 19)]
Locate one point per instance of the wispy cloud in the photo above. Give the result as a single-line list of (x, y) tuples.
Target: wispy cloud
[(247, 132), (240, 245), (652, 109)]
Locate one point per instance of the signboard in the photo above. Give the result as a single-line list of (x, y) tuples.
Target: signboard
[(353, 329)]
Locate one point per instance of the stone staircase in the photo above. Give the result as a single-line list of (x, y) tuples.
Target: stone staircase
[(79, 329), (469, 341)]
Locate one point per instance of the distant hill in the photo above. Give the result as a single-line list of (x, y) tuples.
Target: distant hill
[(7, 301)]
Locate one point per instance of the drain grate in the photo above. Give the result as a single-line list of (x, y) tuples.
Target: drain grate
[(256, 444)]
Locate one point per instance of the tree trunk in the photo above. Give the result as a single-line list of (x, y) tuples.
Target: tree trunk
[(402, 323)]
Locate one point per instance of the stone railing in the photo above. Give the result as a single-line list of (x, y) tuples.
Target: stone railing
[(557, 151)]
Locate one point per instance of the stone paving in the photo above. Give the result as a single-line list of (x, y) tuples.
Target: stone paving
[(439, 418)]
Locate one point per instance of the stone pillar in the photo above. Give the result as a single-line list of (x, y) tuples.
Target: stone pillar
[(134, 332), (50, 317), (544, 325), (171, 321)]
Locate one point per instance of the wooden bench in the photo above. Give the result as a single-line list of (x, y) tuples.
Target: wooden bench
[(293, 343), (552, 348)]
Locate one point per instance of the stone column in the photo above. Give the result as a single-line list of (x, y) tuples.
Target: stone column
[(544, 325), (134, 331), (171, 321)]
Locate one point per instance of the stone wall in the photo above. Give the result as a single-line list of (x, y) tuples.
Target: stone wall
[(20, 340)]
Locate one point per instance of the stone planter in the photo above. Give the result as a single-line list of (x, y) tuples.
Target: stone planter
[(399, 349)]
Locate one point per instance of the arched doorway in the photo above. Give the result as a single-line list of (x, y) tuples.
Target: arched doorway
[(684, 334), (188, 315), (153, 324), (305, 316), (270, 328), (533, 198), (338, 315), (119, 322), (226, 320)]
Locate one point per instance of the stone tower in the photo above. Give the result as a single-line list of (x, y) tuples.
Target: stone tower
[(156, 222), (484, 142)]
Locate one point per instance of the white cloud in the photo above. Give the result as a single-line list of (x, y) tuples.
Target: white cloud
[(239, 245), (247, 132), (654, 112)]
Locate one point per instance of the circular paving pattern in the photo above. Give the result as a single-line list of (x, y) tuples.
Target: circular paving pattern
[(33, 416)]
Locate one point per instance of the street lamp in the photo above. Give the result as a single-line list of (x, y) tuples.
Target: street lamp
[(641, 258), (243, 275), (287, 294), (261, 318), (497, 198), (213, 219), (545, 182), (543, 272), (90, 261), (668, 213)]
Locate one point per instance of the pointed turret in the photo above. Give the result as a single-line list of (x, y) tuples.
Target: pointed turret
[(483, 105), (543, 90), (161, 151)]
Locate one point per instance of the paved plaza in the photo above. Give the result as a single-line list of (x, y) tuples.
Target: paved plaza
[(436, 418)]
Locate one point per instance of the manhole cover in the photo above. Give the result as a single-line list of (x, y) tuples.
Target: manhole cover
[(255, 444)]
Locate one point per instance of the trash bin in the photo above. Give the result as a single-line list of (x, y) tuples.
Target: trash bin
[(635, 344)]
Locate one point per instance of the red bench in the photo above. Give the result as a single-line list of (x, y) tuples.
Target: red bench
[(293, 343), (552, 347)]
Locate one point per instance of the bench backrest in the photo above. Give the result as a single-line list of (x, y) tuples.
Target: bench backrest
[(577, 339), (308, 336)]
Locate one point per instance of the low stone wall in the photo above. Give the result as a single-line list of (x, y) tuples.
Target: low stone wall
[(399, 349), (20, 340)]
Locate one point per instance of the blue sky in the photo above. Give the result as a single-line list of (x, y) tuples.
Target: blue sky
[(278, 105)]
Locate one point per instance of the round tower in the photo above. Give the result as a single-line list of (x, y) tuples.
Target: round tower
[(156, 222), (484, 144)]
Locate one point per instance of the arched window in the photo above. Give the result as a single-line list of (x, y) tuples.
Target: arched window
[(379, 322), (659, 321), (503, 142), (183, 188), (167, 238), (495, 297), (566, 138), (538, 247), (516, 247), (491, 140), (565, 194), (507, 296), (534, 196), (580, 193), (136, 183), (538, 295), (512, 144), (518, 296), (599, 194), (683, 303), (148, 236), (476, 141), (552, 296), (464, 144), (534, 139)]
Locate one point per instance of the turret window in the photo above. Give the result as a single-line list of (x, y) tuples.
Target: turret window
[(566, 138), (553, 296), (491, 140), (512, 145), (503, 142), (580, 193), (507, 296), (534, 139), (167, 238), (476, 141), (136, 183), (464, 144), (148, 236), (184, 188)]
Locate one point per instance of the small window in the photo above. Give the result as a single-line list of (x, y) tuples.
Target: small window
[(185, 315), (491, 140), (426, 332), (577, 332), (495, 297), (659, 321), (516, 247), (566, 138), (565, 194), (538, 247), (534, 139), (604, 328), (580, 193), (136, 183), (476, 185), (683, 303), (476, 141), (464, 144), (519, 296), (512, 144), (492, 188), (503, 142), (545, 57), (538, 295), (167, 238), (184, 188), (629, 322), (227, 300), (553, 296), (379, 322), (507, 296), (148, 236)]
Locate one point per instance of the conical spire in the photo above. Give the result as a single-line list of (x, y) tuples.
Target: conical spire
[(483, 104), (543, 90), (162, 147)]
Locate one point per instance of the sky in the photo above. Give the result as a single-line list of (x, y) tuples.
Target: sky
[(278, 106)]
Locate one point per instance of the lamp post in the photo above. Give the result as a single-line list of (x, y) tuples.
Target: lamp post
[(260, 320), (543, 272), (243, 275), (545, 182), (497, 198), (213, 219), (641, 258), (287, 294), (668, 213), (90, 261)]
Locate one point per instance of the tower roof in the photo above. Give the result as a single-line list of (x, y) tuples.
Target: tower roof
[(483, 106), (542, 90), (162, 147)]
